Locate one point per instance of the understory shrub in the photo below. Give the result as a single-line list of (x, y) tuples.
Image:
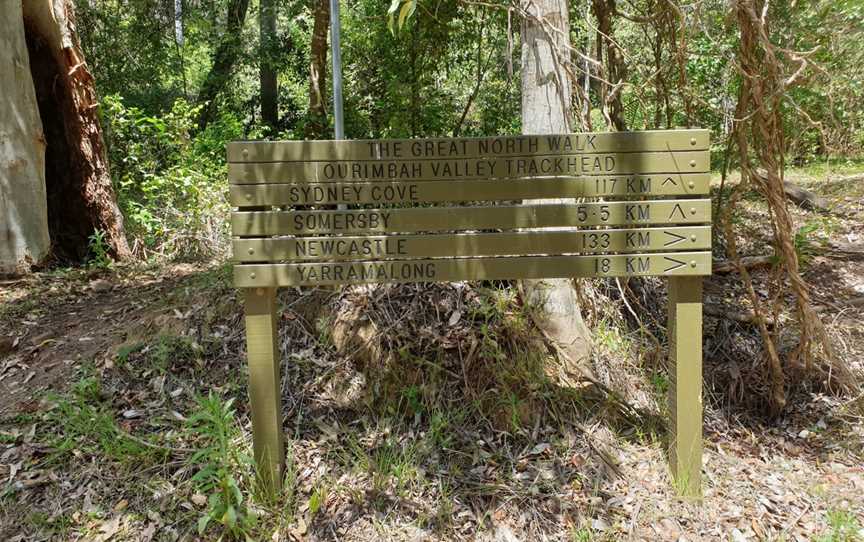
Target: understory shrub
[(170, 181)]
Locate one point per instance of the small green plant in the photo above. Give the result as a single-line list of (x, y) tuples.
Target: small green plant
[(843, 526), (810, 237), (59, 526), (440, 427), (412, 396), (126, 351), (608, 333), (317, 500), (581, 534), (660, 383), (393, 462), (81, 421), (444, 508), (390, 462), (99, 251), (163, 353), (324, 327), (219, 459)]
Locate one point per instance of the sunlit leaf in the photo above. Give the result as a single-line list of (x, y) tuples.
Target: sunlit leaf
[(407, 10)]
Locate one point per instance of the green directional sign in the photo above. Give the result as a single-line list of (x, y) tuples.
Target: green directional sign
[(407, 149), (456, 269), (469, 190), (318, 213), (396, 220), (679, 162), (472, 244)]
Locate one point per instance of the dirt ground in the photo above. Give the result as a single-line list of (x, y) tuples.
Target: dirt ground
[(104, 376)]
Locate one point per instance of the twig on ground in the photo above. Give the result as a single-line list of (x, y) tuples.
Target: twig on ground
[(747, 262)]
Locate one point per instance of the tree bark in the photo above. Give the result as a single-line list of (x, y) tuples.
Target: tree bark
[(546, 98), (24, 236), (223, 61), (316, 123), (267, 70), (72, 183)]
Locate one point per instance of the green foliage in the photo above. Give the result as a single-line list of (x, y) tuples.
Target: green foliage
[(83, 422), (414, 69), (219, 459), (811, 237), (317, 500), (581, 534), (170, 183), (99, 250), (843, 526)]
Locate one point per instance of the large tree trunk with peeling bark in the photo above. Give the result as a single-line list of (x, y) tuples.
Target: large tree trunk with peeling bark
[(546, 99), (23, 206), (55, 187)]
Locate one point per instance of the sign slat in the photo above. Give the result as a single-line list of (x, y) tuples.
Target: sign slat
[(397, 220), (469, 190), (388, 149), (472, 244), (446, 270), (471, 168)]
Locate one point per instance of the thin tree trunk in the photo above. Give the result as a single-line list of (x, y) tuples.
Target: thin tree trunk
[(77, 184), (223, 61), (316, 125), (415, 84), (481, 72), (179, 41), (546, 98), (615, 70), (585, 84), (267, 71)]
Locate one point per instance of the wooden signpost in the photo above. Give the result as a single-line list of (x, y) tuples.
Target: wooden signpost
[(450, 210)]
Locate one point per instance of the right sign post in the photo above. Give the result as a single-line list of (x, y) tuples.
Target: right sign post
[(423, 210)]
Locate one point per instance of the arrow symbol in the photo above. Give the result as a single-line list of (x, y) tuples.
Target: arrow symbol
[(669, 180), (675, 238), (678, 209), (674, 267)]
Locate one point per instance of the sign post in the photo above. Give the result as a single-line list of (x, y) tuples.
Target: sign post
[(444, 210), (685, 384), (262, 348)]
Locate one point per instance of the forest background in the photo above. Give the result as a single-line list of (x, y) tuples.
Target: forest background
[(177, 80)]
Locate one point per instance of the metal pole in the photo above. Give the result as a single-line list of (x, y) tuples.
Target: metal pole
[(336, 50)]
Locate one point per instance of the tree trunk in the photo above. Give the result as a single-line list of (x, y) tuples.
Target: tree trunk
[(316, 124), (612, 82), (546, 94), (56, 181), (23, 205), (223, 61), (267, 72)]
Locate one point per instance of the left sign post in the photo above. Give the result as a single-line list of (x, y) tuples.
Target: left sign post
[(265, 389)]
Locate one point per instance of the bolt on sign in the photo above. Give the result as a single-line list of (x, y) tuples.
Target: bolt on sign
[(423, 210)]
